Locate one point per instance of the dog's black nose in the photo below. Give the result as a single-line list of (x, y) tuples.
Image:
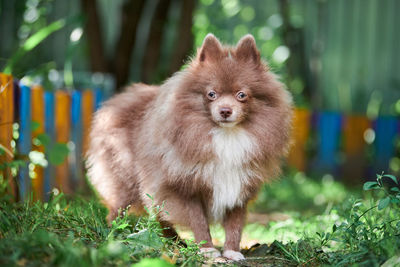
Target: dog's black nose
[(225, 112)]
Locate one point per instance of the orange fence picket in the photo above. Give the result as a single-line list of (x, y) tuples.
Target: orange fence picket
[(37, 105), (62, 133), (87, 113), (300, 133), (354, 147), (353, 130), (6, 126)]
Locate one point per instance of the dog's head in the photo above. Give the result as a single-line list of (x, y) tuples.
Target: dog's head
[(230, 81)]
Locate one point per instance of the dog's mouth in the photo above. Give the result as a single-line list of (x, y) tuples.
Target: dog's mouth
[(226, 123)]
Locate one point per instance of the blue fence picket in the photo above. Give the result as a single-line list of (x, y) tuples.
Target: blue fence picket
[(49, 126), (76, 167), (24, 141), (329, 128), (386, 129), (98, 98)]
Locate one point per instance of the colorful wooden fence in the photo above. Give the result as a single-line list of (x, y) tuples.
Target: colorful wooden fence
[(327, 142), (63, 116), (351, 147)]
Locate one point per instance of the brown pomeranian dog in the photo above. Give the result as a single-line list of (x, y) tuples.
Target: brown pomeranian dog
[(201, 144)]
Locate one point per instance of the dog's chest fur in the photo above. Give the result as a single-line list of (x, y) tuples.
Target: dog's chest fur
[(229, 172)]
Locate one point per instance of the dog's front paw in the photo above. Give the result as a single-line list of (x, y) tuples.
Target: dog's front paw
[(210, 252), (233, 255)]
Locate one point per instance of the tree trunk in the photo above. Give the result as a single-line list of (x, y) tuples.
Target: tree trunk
[(98, 62), (184, 42), (294, 39), (153, 48), (130, 17)]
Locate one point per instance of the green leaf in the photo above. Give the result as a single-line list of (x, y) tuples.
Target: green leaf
[(393, 261), (383, 203), (370, 185), (152, 263), (327, 235), (395, 189), (391, 177), (44, 139), (146, 238), (395, 201), (58, 153), (34, 125), (17, 163), (123, 226)]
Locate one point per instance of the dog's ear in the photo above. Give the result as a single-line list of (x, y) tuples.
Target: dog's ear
[(211, 49), (246, 49)]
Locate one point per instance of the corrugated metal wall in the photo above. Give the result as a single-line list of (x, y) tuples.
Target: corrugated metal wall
[(353, 51)]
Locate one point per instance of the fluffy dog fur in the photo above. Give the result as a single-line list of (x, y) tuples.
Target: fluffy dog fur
[(202, 142)]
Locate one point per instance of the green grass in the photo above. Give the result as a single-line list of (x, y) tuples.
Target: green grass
[(342, 228), (74, 233), (349, 228), (297, 193)]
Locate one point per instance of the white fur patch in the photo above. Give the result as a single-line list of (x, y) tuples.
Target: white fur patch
[(210, 252), (234, 147), (226, 174), (233, 255)]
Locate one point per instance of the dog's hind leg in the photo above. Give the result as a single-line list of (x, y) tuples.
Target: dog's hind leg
[(168, 230)]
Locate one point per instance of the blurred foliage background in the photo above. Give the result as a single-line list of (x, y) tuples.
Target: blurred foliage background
[(334, 55)]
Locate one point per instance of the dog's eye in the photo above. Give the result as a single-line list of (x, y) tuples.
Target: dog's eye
[(241, 96), (212, 95)]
